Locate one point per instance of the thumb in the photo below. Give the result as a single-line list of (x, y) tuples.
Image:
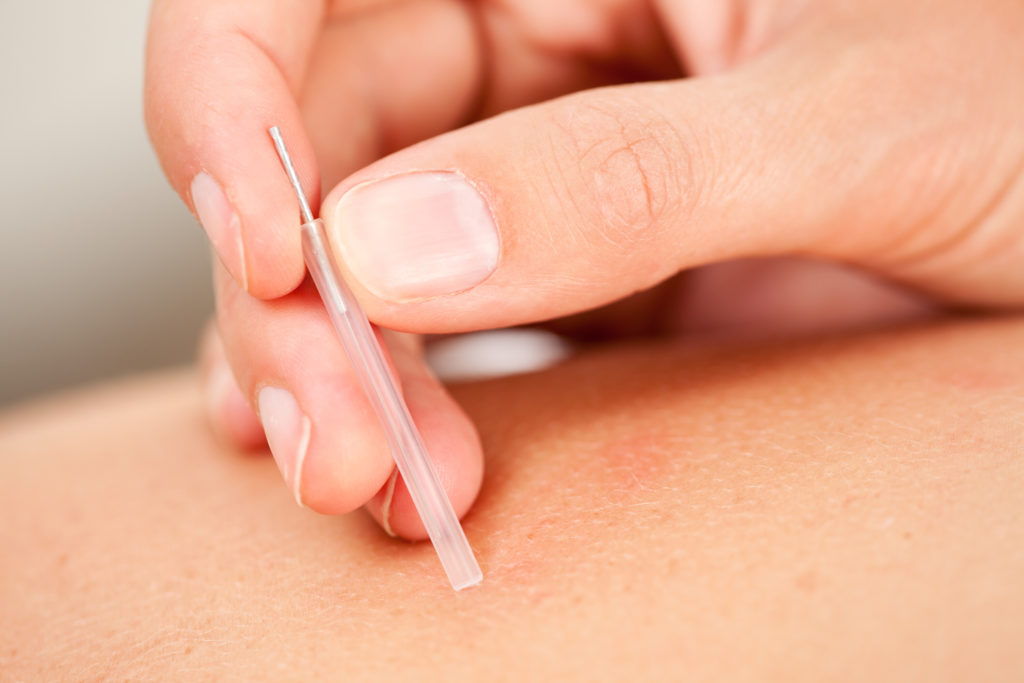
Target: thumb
[(570, 204), (547, 210)]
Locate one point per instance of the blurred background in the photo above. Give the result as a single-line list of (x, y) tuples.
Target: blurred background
[(102, 269)]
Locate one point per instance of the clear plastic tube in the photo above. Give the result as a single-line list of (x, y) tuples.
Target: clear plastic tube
[(407, 447), (367, 358)]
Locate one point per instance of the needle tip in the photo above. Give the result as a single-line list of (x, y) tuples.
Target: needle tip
[(282, 153)]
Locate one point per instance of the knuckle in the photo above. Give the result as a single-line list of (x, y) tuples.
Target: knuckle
[(629, 171)]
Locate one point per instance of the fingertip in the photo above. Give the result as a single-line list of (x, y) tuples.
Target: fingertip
[(246, 206), (321, 428), (228, 411), (212, 92), (270, 209), (454, 448), (348, 458)]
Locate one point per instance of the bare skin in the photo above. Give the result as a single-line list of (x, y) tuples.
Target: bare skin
[(835, 510)]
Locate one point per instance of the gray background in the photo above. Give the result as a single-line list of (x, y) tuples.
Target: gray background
[(102, 269)]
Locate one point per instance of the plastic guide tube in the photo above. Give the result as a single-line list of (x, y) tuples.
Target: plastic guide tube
[(367, 360)]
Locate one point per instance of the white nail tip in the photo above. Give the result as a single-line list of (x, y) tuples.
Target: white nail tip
[(300, 459)]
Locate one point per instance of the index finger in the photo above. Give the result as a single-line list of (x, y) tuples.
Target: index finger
[(218, 75)]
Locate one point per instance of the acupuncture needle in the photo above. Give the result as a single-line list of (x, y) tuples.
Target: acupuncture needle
[(367, 359)]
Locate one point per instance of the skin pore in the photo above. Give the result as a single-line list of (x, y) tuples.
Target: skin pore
[(823, 510)]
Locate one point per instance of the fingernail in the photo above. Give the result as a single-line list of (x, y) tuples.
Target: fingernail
[(385, 507), (288, 430), (221, 224), (416, 236)]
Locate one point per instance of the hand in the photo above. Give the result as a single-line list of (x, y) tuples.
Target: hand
[(882, 134)]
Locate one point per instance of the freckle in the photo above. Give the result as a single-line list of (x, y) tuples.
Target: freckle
[(62, 560), (188, 650), (807, 582)]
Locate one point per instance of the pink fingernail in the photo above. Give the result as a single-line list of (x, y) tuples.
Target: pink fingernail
[(417, 235), (288, 430), (221, 223)]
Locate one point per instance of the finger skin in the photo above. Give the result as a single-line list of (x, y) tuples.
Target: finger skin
[(228, 410), (344, 83), (289, 343), (218, 75), (595, 196), (819, 146), (369, 77), (383, 79)]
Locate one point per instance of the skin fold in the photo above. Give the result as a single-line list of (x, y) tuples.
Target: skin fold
[(839, 509)]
